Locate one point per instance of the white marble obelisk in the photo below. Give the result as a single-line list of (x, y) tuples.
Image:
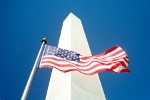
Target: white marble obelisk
[(74, 85)]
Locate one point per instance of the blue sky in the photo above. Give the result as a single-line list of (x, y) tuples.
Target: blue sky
[(23, 23)]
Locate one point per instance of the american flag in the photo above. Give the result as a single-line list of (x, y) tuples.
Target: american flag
[(114, 59)]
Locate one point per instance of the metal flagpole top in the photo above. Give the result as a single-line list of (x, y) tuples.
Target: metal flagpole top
[(44, 40)]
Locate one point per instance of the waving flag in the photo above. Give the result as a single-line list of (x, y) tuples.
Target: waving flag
[(113, 59)]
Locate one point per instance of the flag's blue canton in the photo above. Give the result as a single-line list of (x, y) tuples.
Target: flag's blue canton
[(65, 54)]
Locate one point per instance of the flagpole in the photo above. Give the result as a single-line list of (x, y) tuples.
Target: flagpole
[(33, 72)]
